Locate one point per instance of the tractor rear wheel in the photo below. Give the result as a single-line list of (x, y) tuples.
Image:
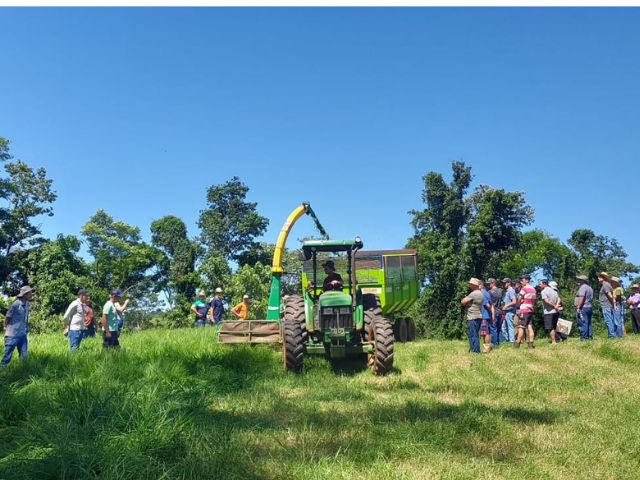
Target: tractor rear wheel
[(381, 333), (293, 347), (294, 312), (411, 330), (400, 330)]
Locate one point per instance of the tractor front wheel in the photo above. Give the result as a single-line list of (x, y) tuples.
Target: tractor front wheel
[(381, 334), (293, 346)]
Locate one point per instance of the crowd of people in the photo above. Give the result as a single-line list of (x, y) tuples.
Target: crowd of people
[(498, 315), (494, 315)]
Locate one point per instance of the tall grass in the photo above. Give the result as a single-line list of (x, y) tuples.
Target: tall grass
[(174, 404)]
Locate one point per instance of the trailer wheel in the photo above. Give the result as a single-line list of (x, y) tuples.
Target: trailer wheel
[(294, 312), (400, 330), (293, 347), (381, 333), (411, 330)]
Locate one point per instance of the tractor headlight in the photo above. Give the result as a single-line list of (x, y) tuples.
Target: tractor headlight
[(345, 311)]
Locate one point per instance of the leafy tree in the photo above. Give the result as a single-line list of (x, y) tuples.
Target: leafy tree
[(230, 224), (597, 253), (178, 278), (25, 194), (121, 259)]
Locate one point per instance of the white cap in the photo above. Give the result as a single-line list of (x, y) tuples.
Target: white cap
[(218, 290), (245, 296)]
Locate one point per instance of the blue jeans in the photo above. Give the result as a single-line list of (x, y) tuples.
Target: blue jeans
[(473, 327), (585, 326), (75, 337), (11, 343), (90, 332), (508, 330), (112, 341), (618, 320), (495, 329), (607, 313)]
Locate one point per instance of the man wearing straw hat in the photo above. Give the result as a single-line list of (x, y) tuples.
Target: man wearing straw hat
[(618, 310), (607, 303), (16, 325), (473, 304), (634, 304)]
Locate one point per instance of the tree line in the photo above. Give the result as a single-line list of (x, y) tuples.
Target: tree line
[(457, 233)]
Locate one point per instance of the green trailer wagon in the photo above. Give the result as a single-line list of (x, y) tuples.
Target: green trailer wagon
[(388, 280)]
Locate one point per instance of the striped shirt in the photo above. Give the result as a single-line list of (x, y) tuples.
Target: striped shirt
[(528, 294)]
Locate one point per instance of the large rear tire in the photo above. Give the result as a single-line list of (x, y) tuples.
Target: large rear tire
[(381, 333), (293, 347), (294, 312)]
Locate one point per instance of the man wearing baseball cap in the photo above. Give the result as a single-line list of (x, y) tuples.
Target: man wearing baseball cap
[(528, 300), (473, 306), (634, 304), (241, 310), (16, 325), (607, 303), (333, 281), (584, 308)]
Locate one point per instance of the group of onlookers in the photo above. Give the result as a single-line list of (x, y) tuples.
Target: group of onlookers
[(210, 313), (506, 314), (79, 322)]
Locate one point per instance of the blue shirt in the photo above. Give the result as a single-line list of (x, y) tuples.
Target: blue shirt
[(509, 297), (17, 319), (218, 309), (486, 300)]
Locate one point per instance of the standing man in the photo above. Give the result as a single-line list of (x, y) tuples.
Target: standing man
[(241, 310), (110, 320), (509, 310), (619, 301), (488, 314), (473, 304), (495, 327), (607, 303), (634, 305), (527, 304), (16, 325), (200, 308), (217, 307), (584, 308), (74, 320), (550, 301)]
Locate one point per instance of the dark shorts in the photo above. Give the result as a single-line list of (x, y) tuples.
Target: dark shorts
[(111, 342), (551, 321), (525, 319)]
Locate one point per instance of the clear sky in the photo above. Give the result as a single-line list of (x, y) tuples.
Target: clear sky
[(138, 111)]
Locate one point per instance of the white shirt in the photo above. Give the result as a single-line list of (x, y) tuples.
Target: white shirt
[(74, 316)]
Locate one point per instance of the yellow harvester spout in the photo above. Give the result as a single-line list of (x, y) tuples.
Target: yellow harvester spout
[(284, 233)]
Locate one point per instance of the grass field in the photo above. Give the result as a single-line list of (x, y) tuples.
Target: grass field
[(174, 404)]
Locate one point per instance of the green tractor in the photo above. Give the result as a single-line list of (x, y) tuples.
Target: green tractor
[(336, 320)]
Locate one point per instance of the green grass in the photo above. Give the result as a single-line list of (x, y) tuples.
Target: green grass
[(174, 404)]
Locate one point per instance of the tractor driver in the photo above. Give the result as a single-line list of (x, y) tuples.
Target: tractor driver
[(333, 280)]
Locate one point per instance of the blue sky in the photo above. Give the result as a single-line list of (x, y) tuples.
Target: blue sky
[(138, 111)]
